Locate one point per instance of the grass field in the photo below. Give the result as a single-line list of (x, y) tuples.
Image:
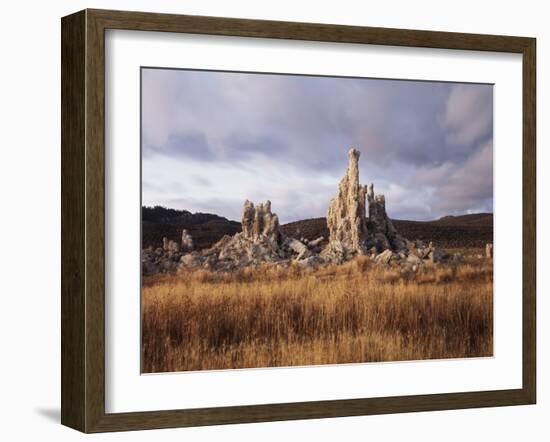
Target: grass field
[(355, 312)]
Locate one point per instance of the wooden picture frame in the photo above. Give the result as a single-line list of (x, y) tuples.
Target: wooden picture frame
[(83, 220)]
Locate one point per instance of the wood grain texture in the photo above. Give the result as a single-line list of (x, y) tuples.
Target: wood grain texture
[(145, 21), (529, 221), (308, 410), (95, 222), (83, 220), (73, 128)]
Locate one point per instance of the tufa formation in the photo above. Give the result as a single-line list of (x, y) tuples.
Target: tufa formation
[(351, 233), (259, 223), (346, 220), (186, 241)]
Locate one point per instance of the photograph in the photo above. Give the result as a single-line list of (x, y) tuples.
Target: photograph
[(302, 220)]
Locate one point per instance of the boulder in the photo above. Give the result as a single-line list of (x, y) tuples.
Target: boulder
[(299, 247), (149, 268), (190, 259), (167, 265), (311, 261), (316, 242), (438, 255), (384, 257), (414, 259)]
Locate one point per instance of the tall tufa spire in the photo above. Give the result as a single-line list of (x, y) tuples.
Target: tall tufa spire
[(346, 217)]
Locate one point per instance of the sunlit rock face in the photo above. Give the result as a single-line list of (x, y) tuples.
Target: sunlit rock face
[(351, 232), (259, 222), (346, 218)]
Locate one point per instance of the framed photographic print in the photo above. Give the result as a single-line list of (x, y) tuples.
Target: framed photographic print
[(269, 220)]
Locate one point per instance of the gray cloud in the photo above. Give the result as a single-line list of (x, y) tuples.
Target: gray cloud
[(191, 144), (469, 114), (421, 142)]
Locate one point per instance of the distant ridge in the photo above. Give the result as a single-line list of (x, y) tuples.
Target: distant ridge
[(471, 230), (478, 219), (205, 228), (160, 214)]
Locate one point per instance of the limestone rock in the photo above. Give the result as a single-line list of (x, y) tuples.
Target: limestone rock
[(316, 242), (258, 222), (384, 257), (259, 242), (334, 253), (379, 241), (186, 241), (173, 247), (299, 247), (351, 233), (346, 218), (414, 259), (383, 233), (192, 259), (168, 265), (311, 261), (349, 227), (148, 266)]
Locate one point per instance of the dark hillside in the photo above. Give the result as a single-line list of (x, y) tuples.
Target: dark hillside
[(206, 229), (451, 231)]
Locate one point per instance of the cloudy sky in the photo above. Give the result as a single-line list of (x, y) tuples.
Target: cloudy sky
[(210, 140)]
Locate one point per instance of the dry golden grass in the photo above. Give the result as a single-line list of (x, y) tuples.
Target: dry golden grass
[(356, 312)]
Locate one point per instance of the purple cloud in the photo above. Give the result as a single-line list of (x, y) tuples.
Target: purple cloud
[(427, 145)]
